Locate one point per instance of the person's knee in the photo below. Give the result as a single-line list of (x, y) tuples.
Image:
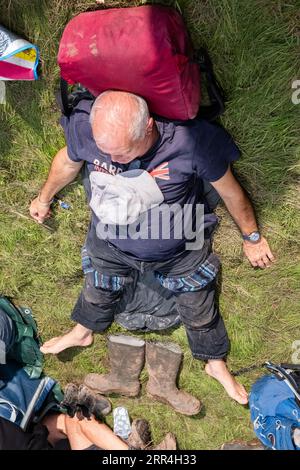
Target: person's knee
[(198, 310), (99, 296)]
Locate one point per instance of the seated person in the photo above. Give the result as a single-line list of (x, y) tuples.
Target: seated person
[(62, 432), (80, 431), (81, 434)]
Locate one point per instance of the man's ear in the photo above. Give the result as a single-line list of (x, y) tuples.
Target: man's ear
[(150, 125)]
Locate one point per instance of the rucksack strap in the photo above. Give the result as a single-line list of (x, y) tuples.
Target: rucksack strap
[(215, 91), (67, 101), (63, 98)]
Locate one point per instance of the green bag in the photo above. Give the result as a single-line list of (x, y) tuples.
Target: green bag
[(26, 346)]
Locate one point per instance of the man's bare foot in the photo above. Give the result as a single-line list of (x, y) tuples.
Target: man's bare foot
[(217, 369), (79, 336)]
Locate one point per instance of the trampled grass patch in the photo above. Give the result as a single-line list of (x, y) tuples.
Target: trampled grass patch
[(255, 50)]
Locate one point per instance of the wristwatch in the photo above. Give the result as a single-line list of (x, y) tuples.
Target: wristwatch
[(253, 237)]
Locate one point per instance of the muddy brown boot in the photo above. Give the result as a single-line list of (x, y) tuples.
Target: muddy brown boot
[(126, 357), (168, 443), (163, 363), (92, 403), (70, 400), (140, 436)]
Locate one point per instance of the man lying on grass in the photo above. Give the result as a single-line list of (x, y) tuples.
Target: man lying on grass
[(112, 136)]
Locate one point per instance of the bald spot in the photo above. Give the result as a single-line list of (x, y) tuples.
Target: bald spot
[(123, 107)]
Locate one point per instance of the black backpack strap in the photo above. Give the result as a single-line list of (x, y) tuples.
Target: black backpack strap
[(294, 367), (62, 98), (67, 101), (215, 91)]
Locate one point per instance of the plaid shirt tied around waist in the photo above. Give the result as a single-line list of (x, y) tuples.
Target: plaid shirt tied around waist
[(204, 274)]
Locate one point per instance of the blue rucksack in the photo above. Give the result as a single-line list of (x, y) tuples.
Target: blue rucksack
[(275, 406), (26, 394), (24, 400)]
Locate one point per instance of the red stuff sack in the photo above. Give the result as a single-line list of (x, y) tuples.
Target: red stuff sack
[(143, 50)]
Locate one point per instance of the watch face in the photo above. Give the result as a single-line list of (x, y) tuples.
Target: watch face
[(254, 237)]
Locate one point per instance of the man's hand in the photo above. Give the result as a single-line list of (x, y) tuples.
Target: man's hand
[(62, 172), (240, 208), (39, 211), (259, 254)]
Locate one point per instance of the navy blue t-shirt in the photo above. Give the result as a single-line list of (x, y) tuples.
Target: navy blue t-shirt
[(184, 155)]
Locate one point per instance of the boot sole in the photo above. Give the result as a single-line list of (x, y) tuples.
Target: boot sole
[(166, 402)]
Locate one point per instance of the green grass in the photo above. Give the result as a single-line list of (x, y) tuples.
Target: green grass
[(255, 49)]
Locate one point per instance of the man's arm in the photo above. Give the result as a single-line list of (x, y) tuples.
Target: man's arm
[(62, 172), (241, 210)]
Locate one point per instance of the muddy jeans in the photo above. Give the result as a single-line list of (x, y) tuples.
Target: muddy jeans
[(189, 275)]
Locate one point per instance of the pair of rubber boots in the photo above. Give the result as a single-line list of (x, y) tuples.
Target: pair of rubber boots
[(163, 360)]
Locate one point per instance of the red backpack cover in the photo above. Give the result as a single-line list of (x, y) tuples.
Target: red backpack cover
[(143, 50)]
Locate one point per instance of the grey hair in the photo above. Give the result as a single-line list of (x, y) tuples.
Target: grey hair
[(138, 124)]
